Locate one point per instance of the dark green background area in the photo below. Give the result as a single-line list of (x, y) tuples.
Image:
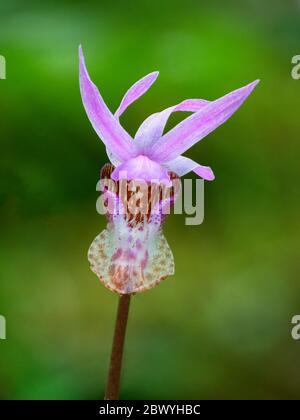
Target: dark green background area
[(219, 328)]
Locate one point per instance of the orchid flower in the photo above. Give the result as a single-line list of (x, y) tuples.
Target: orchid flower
[(131, 258)]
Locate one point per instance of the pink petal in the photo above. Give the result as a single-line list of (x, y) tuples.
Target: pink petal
[(141, 168), (136, 90), (152, 128), (183, 165), (113, 135), (198, 125)]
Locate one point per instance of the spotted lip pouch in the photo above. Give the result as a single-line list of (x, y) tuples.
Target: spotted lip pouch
[(132, 255)]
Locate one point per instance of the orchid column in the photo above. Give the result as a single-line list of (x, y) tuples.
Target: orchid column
[(132, 254)]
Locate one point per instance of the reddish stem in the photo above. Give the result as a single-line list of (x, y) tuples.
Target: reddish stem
[(113, 383)]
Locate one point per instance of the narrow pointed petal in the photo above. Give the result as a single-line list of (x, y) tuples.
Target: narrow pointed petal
[(113, 135), (153, 127), (141, 168), (136, 90), (198, 125), (183, 165)]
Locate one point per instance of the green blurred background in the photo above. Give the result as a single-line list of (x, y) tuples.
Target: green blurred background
[(219, 328)]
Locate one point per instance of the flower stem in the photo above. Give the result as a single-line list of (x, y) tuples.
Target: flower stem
[(113, 383)]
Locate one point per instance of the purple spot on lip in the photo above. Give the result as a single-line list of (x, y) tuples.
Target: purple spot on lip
[(117, 254), (129, 255)]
